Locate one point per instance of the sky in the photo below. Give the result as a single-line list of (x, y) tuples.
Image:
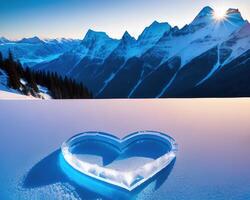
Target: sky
[(73, 18)]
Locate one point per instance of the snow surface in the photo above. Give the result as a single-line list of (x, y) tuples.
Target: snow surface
[(241, 42), (32, 131), (8, 93), (4, 95), (44, 92), (238, 43)]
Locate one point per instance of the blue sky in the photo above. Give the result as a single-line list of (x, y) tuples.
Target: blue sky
[(72, 18)]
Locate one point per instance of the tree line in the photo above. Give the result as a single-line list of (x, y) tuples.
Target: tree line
[(27, 80)]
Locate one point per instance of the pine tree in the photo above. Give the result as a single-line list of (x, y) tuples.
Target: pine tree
[(11, 69), (1, 59), (31, 79), (10, 57), (59, 87)]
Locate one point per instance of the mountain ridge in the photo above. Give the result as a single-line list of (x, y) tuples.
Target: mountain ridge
[(164, 61)]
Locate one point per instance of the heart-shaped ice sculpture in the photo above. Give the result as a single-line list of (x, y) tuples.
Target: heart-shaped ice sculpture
[(126, 162)]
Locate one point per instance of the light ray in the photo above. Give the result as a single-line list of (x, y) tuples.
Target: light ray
[(219, 14)]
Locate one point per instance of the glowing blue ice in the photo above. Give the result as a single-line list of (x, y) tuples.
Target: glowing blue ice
[(126, 162)]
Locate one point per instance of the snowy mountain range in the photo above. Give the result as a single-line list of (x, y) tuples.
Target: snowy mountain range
[(209, 57), (30, 51)]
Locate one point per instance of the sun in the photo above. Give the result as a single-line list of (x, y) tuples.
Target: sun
[(219, 14)]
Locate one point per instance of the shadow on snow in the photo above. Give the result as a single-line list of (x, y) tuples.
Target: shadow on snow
[(54, 169)]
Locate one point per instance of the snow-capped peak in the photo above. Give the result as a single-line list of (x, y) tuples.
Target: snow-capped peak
[(238, 43), (95, 35), (160, 25), (233, 11), (96, 45), (204, 17), (202, 34), (3, 40), (94, 39), (206, 11), (154, 32), (127, 38), (234, 16), (127, 46), (61, 40), (33, 40)]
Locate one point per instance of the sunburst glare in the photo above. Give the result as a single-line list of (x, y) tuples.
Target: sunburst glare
[(219, 14)]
